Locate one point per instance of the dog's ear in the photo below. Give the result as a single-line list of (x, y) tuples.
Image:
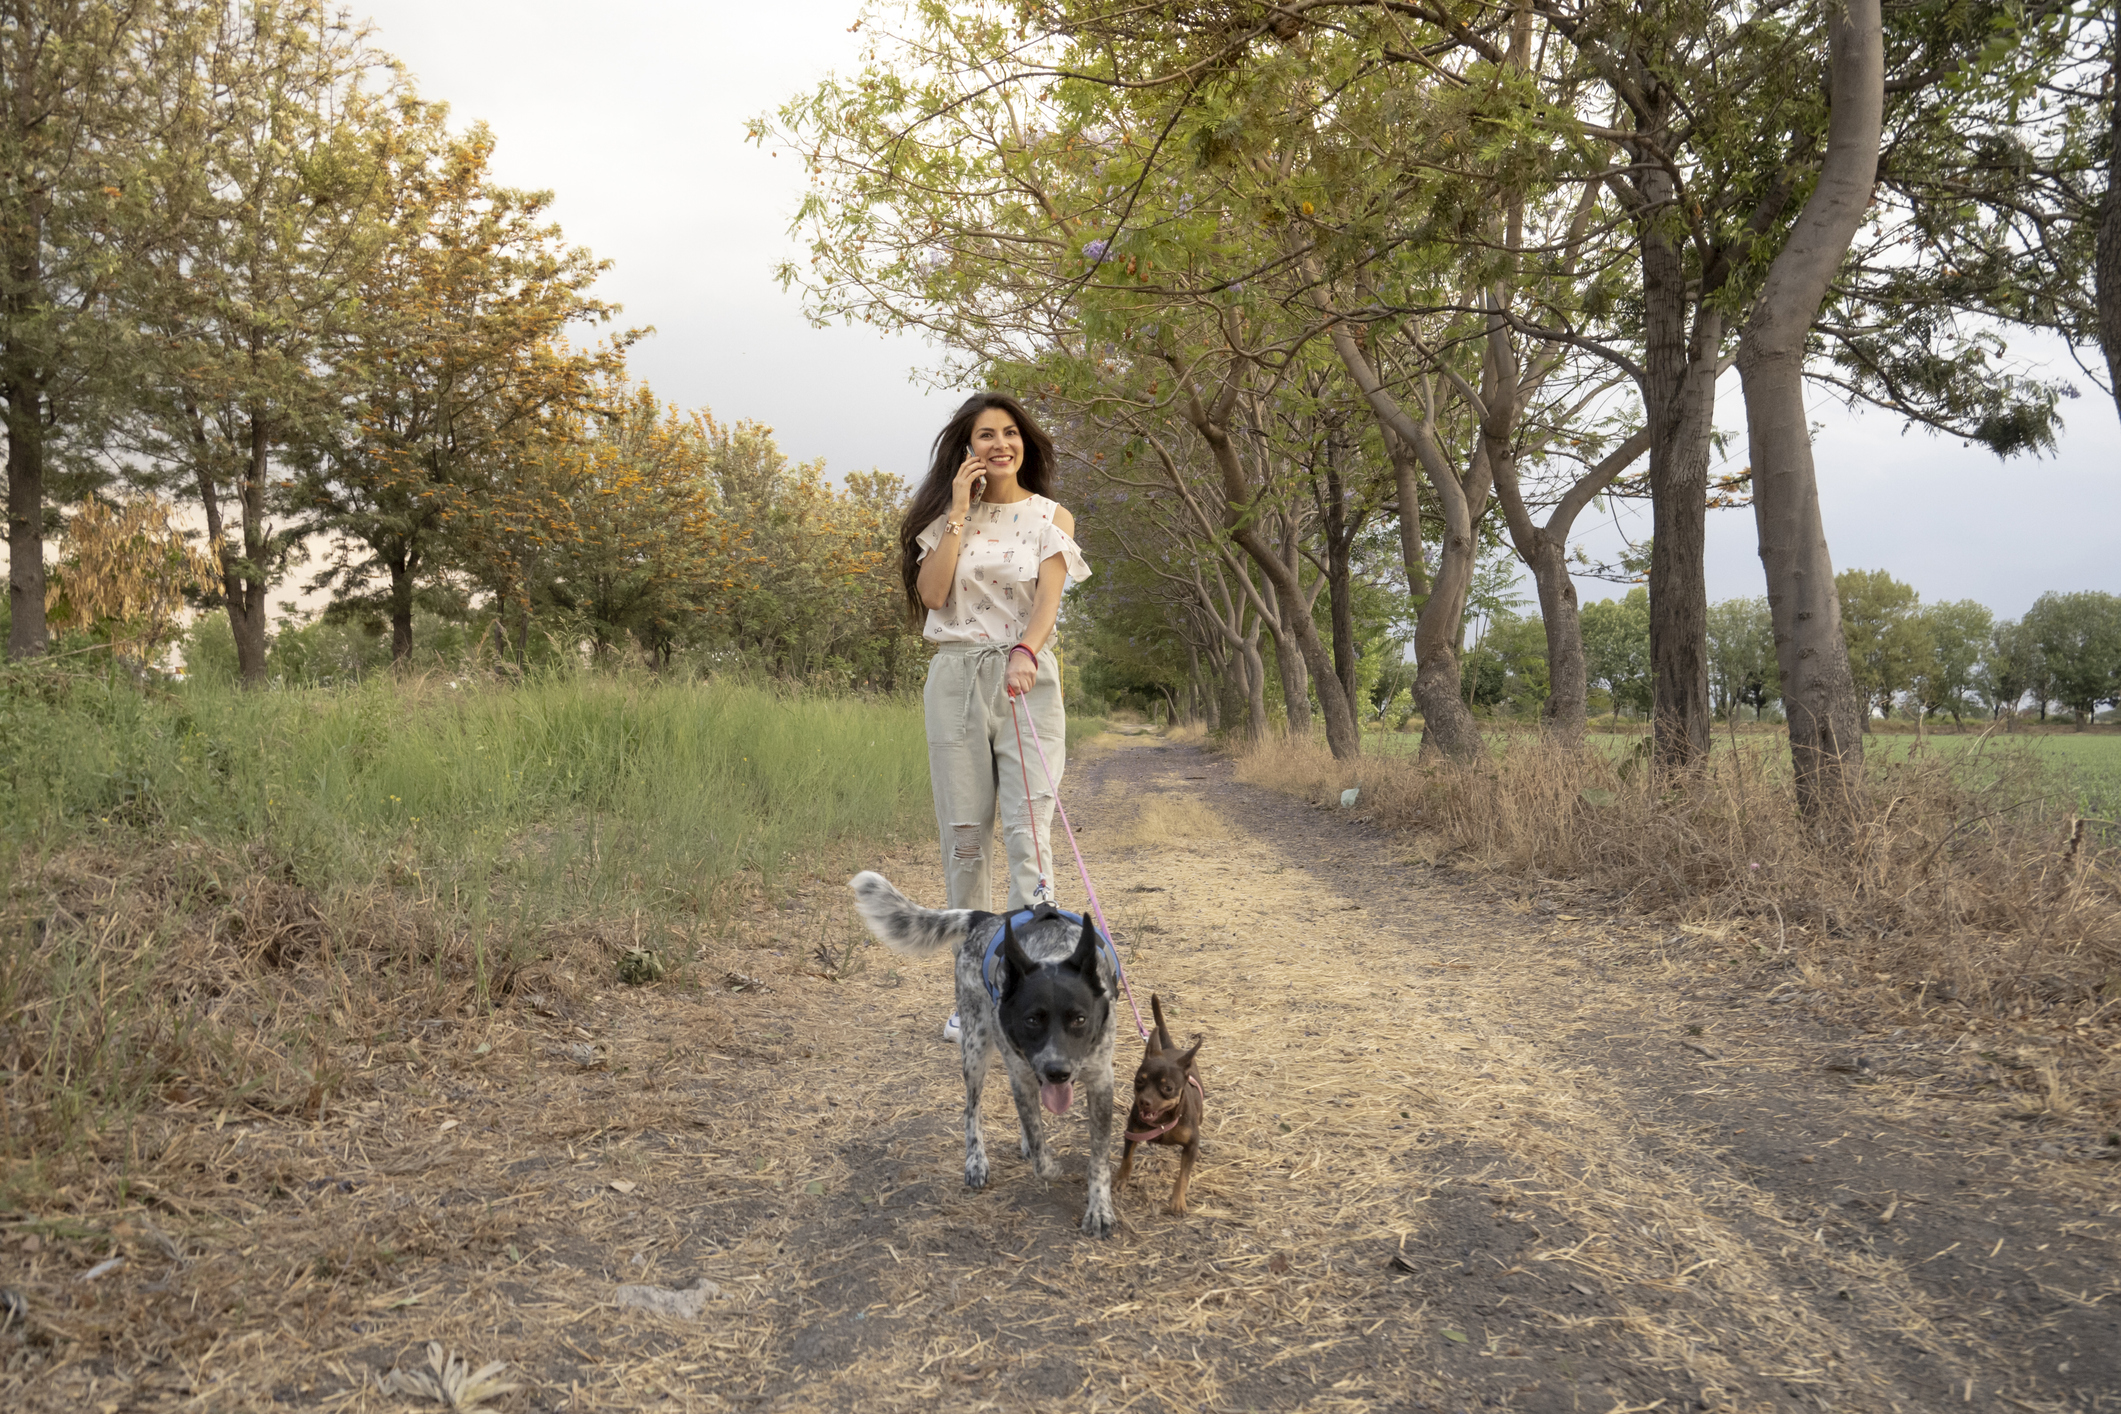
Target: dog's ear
[(1020, 963), (1084, 958), (1163, 1032), (1185, 1057)]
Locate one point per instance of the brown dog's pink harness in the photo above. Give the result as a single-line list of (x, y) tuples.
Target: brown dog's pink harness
[(1148, 1135)]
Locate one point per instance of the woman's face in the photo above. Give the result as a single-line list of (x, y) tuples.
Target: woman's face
[(997, 443)]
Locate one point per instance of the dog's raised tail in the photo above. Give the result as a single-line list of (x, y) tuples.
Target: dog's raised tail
[(903, 925)]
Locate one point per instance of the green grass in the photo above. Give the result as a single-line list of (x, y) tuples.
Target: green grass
[(582, 790)]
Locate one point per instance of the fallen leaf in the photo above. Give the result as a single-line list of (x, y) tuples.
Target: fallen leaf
[(814, 1188), (1278, 1264), (623, 1185), (447, 1125), (1459, 1336)]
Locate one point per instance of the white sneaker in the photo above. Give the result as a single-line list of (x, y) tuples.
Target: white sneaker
[(950, 1028)]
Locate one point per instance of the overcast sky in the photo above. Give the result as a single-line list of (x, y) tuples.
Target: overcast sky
[(633, 112)]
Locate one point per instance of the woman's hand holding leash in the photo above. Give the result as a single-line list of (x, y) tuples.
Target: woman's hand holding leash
[(1022, 670)]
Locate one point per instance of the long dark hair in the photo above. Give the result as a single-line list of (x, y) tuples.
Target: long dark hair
[(951, 447)]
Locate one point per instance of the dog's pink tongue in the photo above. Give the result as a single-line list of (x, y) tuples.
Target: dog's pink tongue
[(1057, 1098)]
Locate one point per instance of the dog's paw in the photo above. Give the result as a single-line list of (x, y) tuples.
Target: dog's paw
[(975, 1171), (1097, 1220), (1023, 1143), (1045, 1165)]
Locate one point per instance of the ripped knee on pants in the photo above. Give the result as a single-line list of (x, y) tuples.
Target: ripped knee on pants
[(967, 842)]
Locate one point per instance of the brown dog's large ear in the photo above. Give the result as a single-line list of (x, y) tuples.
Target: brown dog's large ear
[(1185, 1057), (1084, 958), (1020, 963), (1163, 1032)]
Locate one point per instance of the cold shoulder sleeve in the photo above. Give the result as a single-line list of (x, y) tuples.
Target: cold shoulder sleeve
[(932, 536), (1055, 541)]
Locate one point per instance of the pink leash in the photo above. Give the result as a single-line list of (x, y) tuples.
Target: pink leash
[(1096, 909)]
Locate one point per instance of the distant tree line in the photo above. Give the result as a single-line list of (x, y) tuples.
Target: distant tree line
[(1952, 658), (245, 267)]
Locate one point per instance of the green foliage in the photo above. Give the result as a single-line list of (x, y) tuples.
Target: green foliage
[(1888, 640), (1616, 648), (2011, 666), (1507, 670), (1959, 633), (1742, 667), (2079, 638)]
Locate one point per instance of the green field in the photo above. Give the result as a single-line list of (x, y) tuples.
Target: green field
[(582, 790)]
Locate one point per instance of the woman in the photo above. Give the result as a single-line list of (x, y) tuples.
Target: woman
[(985, 554)]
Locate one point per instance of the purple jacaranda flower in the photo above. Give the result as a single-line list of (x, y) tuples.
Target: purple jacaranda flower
[(1094, 251)]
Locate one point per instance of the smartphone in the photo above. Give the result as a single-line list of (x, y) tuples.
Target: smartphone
[(979, 483)]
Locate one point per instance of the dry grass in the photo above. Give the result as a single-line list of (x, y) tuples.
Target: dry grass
[(1967, 880), (1401, 1196), (1162, 821), (188, 978)]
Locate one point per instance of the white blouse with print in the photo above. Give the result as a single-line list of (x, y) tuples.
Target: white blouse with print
[(998, 558)]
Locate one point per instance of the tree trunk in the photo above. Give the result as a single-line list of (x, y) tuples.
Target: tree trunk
[(1255, 670), (1447, 726), (2106, 267), (1679, 400), (26, 634), (401, 584), (1340, 577), (1564, 715), (1295, 692), (1826, 714)]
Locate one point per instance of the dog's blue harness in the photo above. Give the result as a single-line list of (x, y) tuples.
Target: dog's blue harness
[(1019, 919)]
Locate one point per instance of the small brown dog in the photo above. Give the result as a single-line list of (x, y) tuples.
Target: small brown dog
[(1168, 1102)]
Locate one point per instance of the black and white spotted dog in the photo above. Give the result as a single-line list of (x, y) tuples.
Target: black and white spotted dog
[(1037, 985)]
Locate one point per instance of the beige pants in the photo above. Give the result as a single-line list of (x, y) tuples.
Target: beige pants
[(974, 767)]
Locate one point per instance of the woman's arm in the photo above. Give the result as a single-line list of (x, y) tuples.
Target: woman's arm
[(1045, 609), (941, 565)]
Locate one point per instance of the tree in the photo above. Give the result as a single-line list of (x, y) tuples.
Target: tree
[(1818, 685), (124, 573), (79, 123), (2079, 636), (1616, 648), (452, 364), (2011, 666), (1886, 640), (636, 549), (1507, 668), (2106, 280), (1742, 667), (277, 187), (1959, 634)]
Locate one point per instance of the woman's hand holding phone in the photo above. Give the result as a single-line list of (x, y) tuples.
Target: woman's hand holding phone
[(968, 485)]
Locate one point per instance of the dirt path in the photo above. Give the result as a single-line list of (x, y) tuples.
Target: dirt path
[(1463, 1152)]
